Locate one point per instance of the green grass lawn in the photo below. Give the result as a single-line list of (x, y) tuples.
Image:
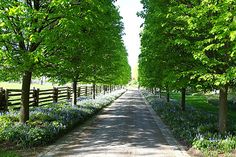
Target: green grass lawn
[(200, 101), (7, 85)]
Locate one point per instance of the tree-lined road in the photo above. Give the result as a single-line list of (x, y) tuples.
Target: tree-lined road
[(126, 128)]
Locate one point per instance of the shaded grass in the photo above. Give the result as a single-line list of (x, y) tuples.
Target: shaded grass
[(201, 101), (8, 154)]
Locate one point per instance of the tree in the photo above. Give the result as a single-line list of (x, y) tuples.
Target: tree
[(106, 61), (213, 24), (196, 45), (169, 59), (25, 27), (85, 59)]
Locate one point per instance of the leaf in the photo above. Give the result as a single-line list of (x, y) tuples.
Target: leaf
[(232, 35)]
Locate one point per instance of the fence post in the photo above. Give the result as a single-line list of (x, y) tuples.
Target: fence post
[(55, 95), (104, 89), (2, 99), (68, 93), (96, 87), (86, 91), (93, 89), (79, 89), (36, 96), (6, 100)]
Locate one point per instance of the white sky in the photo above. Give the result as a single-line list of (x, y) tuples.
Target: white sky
[(128, 10)]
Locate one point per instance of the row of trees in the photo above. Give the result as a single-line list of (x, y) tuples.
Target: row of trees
[(66, 40), (189, 44)]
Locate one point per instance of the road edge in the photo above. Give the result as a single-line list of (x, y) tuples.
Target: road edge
[(59, 144), (177, 148)]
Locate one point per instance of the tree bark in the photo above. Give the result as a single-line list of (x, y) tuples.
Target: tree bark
[(160, 93), (24, 109), (94, 90), (74, 98), (223, 109), (183, 99)]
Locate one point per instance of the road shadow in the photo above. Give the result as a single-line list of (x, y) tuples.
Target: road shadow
[(125, 125)]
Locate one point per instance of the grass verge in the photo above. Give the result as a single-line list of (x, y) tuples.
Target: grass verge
[(7, 85), (195, 127), (208, 102)]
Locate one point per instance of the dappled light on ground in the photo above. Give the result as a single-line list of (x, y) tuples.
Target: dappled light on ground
[(126, 128)]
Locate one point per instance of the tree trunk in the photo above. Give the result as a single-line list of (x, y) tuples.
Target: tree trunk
[(167, 95), (74, 98), (183, 99), (160, 93), (223, 108), (24, 109), (155, 90), (94, 90)]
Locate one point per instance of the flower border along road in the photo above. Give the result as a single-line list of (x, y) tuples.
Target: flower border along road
[(177, 148), (60, 143)]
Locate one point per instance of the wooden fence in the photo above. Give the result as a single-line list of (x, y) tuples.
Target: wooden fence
[(12, 97)]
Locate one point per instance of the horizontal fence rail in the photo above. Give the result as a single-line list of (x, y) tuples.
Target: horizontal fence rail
[(12, 97)]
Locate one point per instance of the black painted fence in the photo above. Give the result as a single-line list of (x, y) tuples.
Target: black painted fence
[(12, 97)]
